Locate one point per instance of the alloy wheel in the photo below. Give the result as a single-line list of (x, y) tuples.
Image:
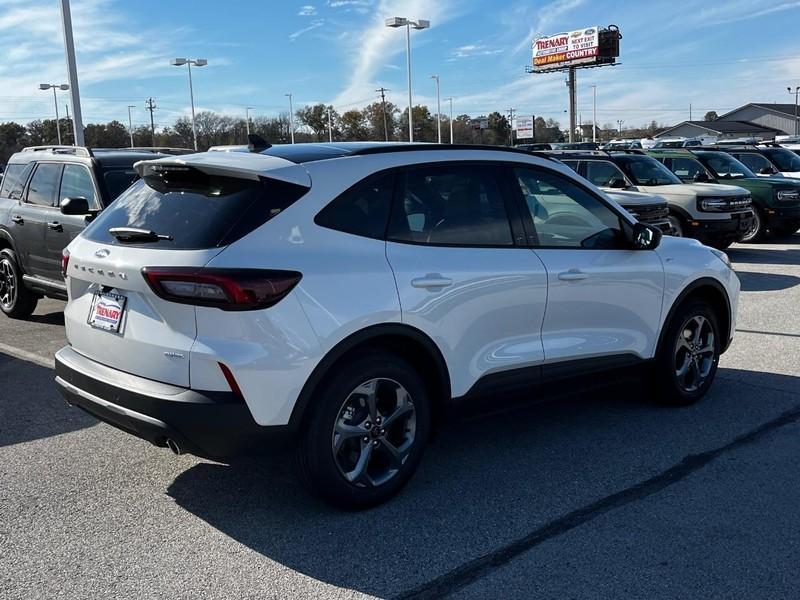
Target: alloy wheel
[(695, 353), (753, 230), (8, 284), (677, 226), (374, 432)]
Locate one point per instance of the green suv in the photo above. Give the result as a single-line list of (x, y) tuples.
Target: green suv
[(776, 200)]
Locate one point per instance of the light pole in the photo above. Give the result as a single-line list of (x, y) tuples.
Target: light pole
[(619, 125), (247, 120), (438, 109), (197, 62), (53, 86), (795, 92), (72, 73), (408, 24), (130, 122), (594, 113), (330, 125), (291, 116), (450, 99)]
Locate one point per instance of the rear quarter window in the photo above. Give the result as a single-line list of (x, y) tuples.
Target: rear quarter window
[(14, 180), (208, 212)]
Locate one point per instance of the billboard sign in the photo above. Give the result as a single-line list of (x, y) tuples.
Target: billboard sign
[(580, 47), (524, 127)]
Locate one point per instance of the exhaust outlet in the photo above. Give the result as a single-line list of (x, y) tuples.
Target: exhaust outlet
[(173, 445)]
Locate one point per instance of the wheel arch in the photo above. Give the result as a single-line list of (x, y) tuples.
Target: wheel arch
[(408, 342), (713, 292), (6, 241)]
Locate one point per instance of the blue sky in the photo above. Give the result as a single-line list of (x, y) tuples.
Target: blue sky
[(714, 54)]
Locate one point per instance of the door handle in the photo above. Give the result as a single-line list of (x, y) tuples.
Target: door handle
[(572, 275), (431, 281), (17, 219), (55, 226)]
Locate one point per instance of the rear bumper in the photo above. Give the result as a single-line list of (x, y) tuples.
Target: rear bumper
[(207, 424)]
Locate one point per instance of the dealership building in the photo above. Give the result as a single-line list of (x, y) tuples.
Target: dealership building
[(757, 119)]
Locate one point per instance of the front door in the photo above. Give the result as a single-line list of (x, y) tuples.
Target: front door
[(604, 299), (36, 213), (462, 277)]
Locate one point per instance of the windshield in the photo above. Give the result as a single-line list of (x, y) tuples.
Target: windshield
[(678, 144), (724, 166), (784, 159), (644, 170)]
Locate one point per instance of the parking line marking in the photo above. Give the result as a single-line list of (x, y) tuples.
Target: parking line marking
[(21, 354)]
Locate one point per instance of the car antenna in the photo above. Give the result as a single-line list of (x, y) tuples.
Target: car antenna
[(255, 143)]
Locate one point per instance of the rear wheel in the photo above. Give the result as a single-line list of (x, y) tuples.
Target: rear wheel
[(756, 231), (689, 355), (16, 300), (367, 434)]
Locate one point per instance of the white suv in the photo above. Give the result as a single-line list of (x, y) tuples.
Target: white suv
[(341, 296)]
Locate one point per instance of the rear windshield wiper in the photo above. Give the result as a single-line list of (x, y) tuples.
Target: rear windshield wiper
[(135, 234)]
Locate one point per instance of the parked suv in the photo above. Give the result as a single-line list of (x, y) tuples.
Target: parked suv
[(776, 200), (767, 160), (48, 195), (342, 295), (717, 215)]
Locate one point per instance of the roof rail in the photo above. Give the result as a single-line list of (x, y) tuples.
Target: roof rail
[(414, 147), (76, 150), (155, 149)]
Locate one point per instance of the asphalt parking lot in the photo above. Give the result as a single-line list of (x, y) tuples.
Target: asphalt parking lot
[(594, 496)]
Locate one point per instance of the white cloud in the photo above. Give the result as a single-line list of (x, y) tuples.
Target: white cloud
[(314, 25), (359, 6), (473, 50), (307, 11), (548, 19)]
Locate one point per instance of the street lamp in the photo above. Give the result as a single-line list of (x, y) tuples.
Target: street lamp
[(795, 92), (247, 119), (291, 116), (594, 113), (130, 122), (450, 99), (197, 62), (619, 125), (53, 86), (408, 24), (438, 109)]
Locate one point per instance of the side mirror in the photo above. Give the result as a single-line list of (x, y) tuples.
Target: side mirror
[(767, 171), (701, 177), (75, 206), (617, 183), (645, 237)]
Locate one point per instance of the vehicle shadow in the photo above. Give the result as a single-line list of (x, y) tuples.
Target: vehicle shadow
[(764, 256), (766, 282), (485, 482), (53, 318), (30, 406)]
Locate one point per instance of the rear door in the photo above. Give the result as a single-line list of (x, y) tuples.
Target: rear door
[(35, 214), (76, 181), (461, 277), (604, 299)]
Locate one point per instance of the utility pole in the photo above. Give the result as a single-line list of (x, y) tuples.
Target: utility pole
[(247, 121), (594, 113), (330, 125), (72, 73), (130, 122), (291, 116), (438, 111), (690, 111), (511, 112), (151, 106), (451, 118), (619, 125), (572, 103), (383, 91)]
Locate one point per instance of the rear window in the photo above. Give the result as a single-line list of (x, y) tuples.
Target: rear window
[(196, 210)]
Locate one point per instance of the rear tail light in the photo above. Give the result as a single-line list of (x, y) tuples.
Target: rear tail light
[(64, 262), (227, 289)]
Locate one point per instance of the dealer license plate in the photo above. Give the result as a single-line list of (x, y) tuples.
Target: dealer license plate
[(106, 311)]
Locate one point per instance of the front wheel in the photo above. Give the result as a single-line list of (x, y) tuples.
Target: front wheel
[(677, 225), (689, 354), (756, 231), (17, 301), (367, 433)]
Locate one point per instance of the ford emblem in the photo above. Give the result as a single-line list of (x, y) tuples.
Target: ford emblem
[(102, 253)]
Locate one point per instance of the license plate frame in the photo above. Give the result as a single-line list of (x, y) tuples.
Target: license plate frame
[(107, 311)]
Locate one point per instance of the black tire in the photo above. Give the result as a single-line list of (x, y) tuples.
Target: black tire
[(320, 466), (758, 232), (16, 301), (678, 226), (673, 390)]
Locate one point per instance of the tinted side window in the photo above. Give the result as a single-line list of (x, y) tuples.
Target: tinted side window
[(76, 181), (44, 184), (603, 173), (457, 205), (14, 180), (566, 215), (754, 162), (117, 181), (686, 168), (363, 209)]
